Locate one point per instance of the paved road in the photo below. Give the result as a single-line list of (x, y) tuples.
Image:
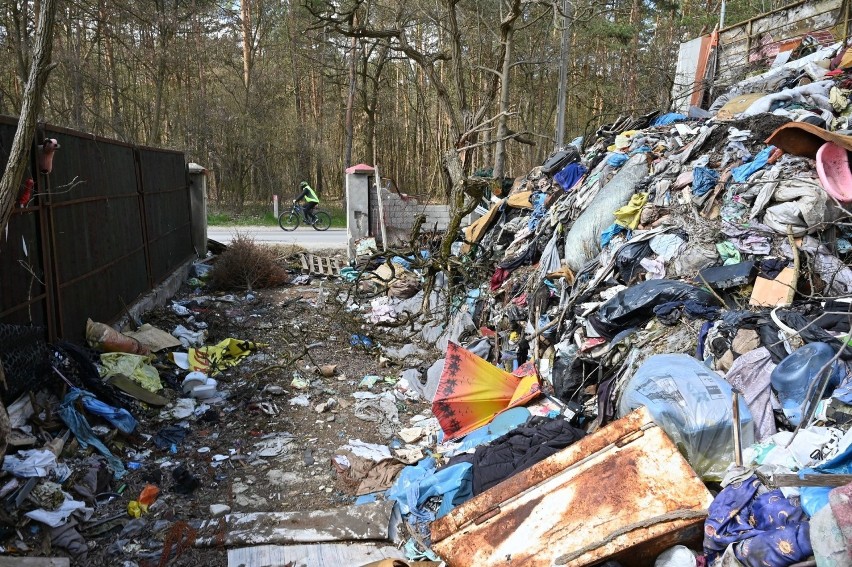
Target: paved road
[(306, 237)]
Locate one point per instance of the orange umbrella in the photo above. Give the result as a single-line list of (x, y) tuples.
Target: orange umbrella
[(471, 391)]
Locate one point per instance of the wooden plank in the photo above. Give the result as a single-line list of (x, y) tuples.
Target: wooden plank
[(828, 480), (6, 561), (321, 555), (367, 522), (305, 268)]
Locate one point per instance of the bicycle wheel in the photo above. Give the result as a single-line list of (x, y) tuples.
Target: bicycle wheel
[(323, 220), (288, 220)]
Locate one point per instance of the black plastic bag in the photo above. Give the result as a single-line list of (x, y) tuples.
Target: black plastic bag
[(634, 306)]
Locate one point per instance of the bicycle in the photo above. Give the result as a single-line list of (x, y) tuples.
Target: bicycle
[(290, 220)]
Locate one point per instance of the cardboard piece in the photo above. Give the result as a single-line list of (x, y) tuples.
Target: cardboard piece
[(738, 104), (153, 338), (803, 139), (520, 200), (774, 293)]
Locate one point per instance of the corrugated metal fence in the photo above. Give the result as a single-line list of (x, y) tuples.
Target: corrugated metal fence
[(108, 224)]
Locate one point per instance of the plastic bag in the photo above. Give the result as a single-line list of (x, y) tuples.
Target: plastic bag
[(693, 405), (634, 306)]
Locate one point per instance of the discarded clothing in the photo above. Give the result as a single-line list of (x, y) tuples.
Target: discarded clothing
[(617, 159), (537, 200), (703, 180), (417, 484), (742, 173), (611, 232), (628, 215), (85, 436), (118, 417), (766, 528), (518, 450), (750, 375), (570, 175)]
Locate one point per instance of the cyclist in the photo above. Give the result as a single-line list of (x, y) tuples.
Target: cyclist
[(311, 201)]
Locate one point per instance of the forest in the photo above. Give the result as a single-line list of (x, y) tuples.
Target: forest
[(265, 93)]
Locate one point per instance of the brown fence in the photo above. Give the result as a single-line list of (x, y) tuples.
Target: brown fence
[(109, 223)]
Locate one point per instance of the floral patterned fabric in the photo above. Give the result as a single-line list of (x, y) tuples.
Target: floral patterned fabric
[(766, 528)]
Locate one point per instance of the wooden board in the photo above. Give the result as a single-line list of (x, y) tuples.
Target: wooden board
[(367, 522), (6, 561), (322, 555), (320, 265)]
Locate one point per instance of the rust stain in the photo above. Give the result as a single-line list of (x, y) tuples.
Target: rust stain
[(539, 473), (575, 500)]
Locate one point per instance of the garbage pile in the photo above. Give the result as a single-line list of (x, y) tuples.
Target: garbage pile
[(639, 355), (692, 269)]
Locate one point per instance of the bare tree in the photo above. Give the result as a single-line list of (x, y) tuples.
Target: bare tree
[(40, 67)]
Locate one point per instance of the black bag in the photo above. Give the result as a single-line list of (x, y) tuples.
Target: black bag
[(559, 159)]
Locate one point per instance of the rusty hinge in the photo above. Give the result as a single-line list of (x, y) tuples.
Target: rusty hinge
[(481, 519)]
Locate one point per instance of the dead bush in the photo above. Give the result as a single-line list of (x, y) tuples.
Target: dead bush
[(247, 265)]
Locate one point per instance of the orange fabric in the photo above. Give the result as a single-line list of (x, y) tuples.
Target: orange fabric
[(471, 391)]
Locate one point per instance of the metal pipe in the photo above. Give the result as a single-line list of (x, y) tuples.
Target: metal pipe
[(738, 441)]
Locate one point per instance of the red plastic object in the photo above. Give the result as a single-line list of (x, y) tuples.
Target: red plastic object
[(832, 163), (27, 193), (149, 494)]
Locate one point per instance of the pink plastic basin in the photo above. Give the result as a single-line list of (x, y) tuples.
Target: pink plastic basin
[(832, 163)]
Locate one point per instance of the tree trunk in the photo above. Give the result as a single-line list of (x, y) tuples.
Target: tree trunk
[(502, 122), (20, 152), (245, 14)]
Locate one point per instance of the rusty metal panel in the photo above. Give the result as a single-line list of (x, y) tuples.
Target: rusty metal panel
[(96, 219), (165, 193), (622, 493)]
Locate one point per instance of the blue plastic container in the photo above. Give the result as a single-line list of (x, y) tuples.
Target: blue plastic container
[(793, 376)]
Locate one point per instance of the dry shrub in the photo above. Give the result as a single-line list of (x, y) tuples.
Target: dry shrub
[(246, 265)]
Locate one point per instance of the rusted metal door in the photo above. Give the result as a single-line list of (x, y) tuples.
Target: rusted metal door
[(622, 493)]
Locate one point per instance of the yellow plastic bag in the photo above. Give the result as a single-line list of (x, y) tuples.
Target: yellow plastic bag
[(136, 367)]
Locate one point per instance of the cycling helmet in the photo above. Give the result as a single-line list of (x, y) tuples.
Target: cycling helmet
[(303, 184)]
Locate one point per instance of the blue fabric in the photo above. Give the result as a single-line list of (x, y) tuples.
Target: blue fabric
[(844, 393), (703, 179), (537, 200), (702, 336), (417, 484), (570, 175), (814, 498), (609, 234), (118, 417), (616, 159), (640, 150), (666, 119), (81, 429), (765, 530), (742, 173)]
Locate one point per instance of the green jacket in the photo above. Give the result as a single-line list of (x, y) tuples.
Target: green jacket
[(308, 195)]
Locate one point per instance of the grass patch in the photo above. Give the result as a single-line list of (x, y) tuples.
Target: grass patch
[(262, 215)]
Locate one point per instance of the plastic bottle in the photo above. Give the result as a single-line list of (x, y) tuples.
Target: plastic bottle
[(792, 377)]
